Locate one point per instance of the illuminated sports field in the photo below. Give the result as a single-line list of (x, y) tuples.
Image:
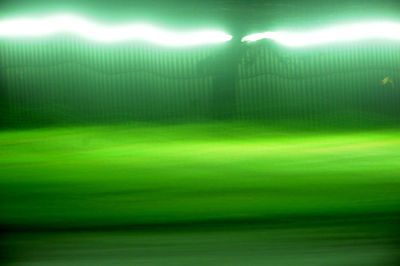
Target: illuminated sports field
[(199, 132)]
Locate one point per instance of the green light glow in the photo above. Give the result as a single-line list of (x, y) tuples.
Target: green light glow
[(65, 23), (343, 33)]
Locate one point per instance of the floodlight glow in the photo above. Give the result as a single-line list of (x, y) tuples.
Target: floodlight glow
[(377, 30), (28, 27)]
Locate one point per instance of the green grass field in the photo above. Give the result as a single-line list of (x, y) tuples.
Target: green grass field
[(79, 177), (217, 193)]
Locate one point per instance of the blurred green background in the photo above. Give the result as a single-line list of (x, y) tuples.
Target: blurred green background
[(230, 193), (234, 154)]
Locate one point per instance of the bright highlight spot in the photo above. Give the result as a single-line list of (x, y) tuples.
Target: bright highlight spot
[(29, 27), (355, 32)]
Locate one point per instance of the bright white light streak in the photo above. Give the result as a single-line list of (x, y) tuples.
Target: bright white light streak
[(30, 27), (345, 33)]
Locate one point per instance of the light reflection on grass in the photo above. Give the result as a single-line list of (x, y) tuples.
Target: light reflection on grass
[(88, 176)]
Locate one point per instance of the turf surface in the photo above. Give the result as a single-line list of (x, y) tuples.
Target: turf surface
[(86, 177)]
